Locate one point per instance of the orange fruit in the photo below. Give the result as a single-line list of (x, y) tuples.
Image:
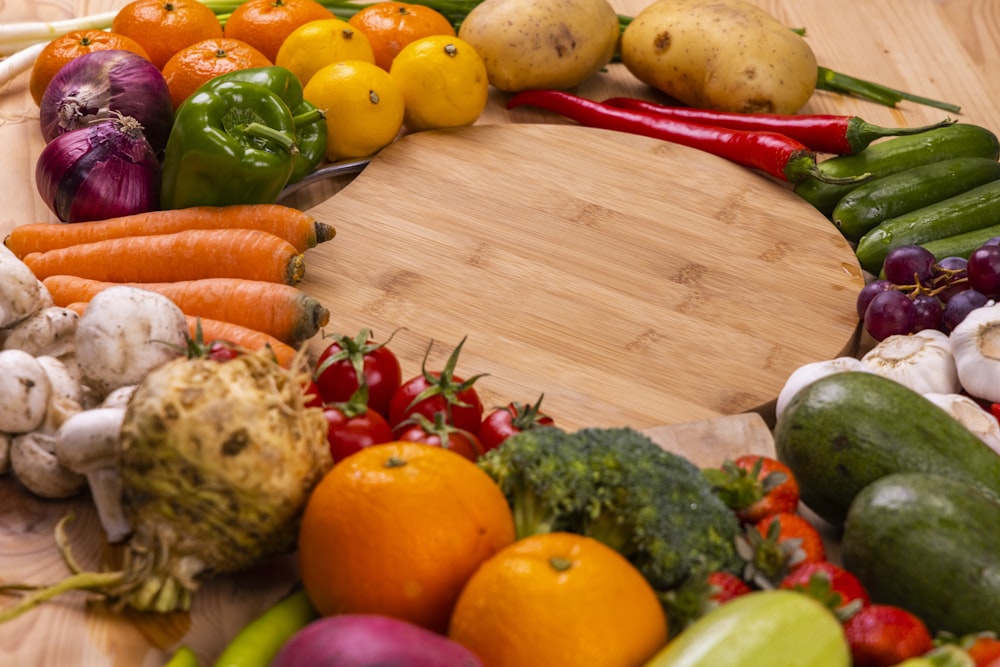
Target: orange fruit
[(397, 529), (559, 599), (265, 24), (194, 65), (164, 27), (62, 49), (390, 26)]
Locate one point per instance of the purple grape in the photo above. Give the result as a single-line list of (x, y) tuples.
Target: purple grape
[(953, 276), (890, 313), (908, 265), (993, 240), (961, 305), (929, 312), (868, 292), (984, 269)]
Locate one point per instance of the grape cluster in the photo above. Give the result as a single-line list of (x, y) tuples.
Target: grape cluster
[(917, 292)]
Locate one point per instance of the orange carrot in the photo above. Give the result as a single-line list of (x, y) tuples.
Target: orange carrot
[(213, 330), (187, 255), (295, 226), (251, 339), (283, 311)]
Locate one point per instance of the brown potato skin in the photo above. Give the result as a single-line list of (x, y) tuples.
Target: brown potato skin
[(534, 44), (726, 55)]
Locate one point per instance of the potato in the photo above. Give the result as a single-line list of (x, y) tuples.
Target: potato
[(541, 43), (726, 55)]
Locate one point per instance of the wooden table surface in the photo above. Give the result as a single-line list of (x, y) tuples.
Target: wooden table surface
[(946, 49)]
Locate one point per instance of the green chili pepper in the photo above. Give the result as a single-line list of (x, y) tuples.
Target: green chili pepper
[(310, 122), (231, 143)]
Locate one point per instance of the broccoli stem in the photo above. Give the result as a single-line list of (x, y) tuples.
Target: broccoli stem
[(531, 515), (609, 530)]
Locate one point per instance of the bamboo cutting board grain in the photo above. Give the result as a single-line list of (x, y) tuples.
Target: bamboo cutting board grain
[(630, 280)]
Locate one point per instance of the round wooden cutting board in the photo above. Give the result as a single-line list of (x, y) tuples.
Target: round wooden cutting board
[(631, 281)]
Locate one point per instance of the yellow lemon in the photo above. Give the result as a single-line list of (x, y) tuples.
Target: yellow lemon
[(444, 82), (316, 44), (363, 107)]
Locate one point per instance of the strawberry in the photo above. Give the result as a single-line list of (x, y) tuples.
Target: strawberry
[(831, 584), (984, 649), (881, 635), (725, 586), (755, 487), (774, 547)]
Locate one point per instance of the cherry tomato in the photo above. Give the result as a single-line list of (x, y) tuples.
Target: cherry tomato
[(513, 418), (353, 427), (313, 398), (440, 434), (436, 392), (345, 359), (219, 350)]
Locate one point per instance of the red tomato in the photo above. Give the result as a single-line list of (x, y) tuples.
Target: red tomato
[(513, 418), (440, 434), (338, 366), (442, 392), (352, 428), (313, 398)]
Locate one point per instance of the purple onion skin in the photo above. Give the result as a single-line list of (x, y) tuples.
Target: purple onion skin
[(99, 84), (363, 640), (100, 171)]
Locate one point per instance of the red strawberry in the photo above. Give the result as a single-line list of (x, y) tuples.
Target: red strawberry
[(984, 649), (755, 487), (725, 586), (774, 547), (831, 584), (882, 635)]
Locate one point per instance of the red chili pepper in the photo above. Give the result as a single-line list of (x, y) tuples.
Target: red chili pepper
[(771, 152), (823, 133)]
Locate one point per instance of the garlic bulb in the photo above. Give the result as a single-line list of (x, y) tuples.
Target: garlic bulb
[(809, 373), (922, 361), (969, 413), (975, 344)]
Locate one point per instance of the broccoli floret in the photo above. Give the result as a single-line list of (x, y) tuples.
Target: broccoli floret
[(616, 485)]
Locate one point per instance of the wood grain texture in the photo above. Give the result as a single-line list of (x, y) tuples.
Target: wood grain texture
[(946, 49)]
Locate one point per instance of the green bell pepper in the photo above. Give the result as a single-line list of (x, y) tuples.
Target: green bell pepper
[(231, 143), (310, 122)]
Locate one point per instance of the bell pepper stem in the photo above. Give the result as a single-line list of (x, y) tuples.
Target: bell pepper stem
[(262, 131), (308, 117)]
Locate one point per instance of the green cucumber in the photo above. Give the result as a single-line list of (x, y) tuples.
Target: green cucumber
[(760, 629), (970, 211), (961, 245), (931, 545), (869, 204), (895, 155), (844, 431)]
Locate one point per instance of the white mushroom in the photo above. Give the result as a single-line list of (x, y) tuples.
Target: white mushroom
[(89, 444), (35, 465), (21, 293), (50, 331), (124, 333), (24, 392)]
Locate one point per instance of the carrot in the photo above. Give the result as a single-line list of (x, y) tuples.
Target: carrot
[(295, 226), (241, 336), (187, 255), (283, 311), (215, 330)]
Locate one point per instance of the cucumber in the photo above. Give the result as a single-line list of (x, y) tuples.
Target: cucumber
[(895, 155), (766, 628), (970, 211), (931, 545), (962, 245), (889, 196), (844, 431)]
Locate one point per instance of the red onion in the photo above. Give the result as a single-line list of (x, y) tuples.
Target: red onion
[(99, 84), (103, 170)]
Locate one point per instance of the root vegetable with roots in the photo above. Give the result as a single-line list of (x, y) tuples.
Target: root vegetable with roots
[(218, 460)]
